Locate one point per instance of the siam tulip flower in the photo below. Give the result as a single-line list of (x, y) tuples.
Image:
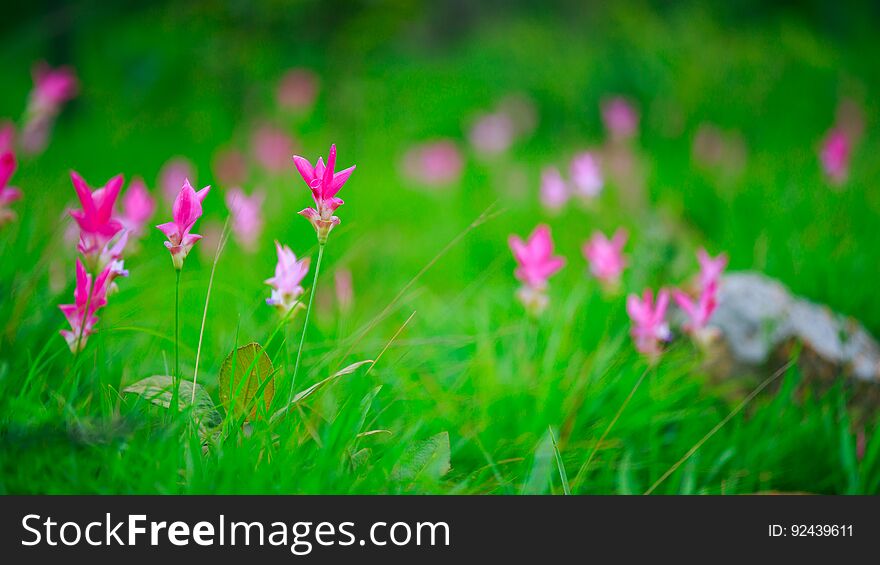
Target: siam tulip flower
[(711, 268), (554, 190), (434, 163), (247, 216), (344, 289), (272, 147), (52, 88), (492, 133), (137, 207), (586, 176), (649, 327), (287, 283), (99, 230), (835, 156), (606, 256), (8, 194), (535, 265), (7, 137), (230, 166), (698, 312), (620, 118), (174, 173), (186, 211), (88, 299), (324, 183), (297, 89)]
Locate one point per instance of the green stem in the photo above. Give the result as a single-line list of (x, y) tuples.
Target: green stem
[(175, 392), (302, 339)]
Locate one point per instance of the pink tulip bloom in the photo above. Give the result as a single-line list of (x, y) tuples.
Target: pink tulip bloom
[(230, 166), (535, 265), (174, 173), (247, 216), (287, 283), (272, 147), (186, 211), (586, 176), (698, 312), (324, 184), (87, 300), (649, 327), (606, 256), (835, 156), (620, 117), (344, 289), (8, 194), (7, 137), (53, 87), (297, 89), (434, 163), (137, 207), (711, 268), (554, 190), (492, 133), (98, 228)]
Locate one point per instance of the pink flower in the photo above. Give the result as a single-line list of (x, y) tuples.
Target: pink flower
[(535, 265), (174, 173), (247, 216), (554, 191), (186, 211), (586, 174), (7, 137), (230, 166), (97, 226), (620, 117), (324, 184), (52, 87), (8, 194), (137, 207), (434, 163), (272, 147), (287, 282), (711, 268), (649, 326), (492, 133), (606, 256), (835, 156), (297, 89), (87, 300), (344, 289), (699, 312)]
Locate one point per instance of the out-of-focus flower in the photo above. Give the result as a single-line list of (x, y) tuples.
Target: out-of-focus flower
[(137, 207), (247, 217), (620, 117), (8, 194), (554, 190), (711, 268), (272, 147), (649, 327), (434, 163), (287, 283), (297, 89), (52, 88), (174, 173), (344, 289), (521, 110), (88, 299), (492, 133), (586, 175), (186, 211), (835, 156), (95, 220), (230, 166), (7, 137), (324, 183), (698, 311), (606, 256), (535, 265)]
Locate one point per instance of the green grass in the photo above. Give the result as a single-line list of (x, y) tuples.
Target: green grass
[(159, 83)]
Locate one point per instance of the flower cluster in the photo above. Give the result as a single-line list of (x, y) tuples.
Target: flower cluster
[(699, 310), (586, 182), (535, 265)]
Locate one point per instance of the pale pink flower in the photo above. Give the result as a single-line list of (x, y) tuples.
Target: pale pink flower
[(297, 89), (324, 183), (433, 163), (272, 147), (88, 299), (711, 268), (137, 207), (8, 194), (52, 88), (344, 289), (174, 173), (649, 326), (247, 216), (586, 175), (492, 133), (554, 190), (7, 137), (287, 283), (230, 166), (698, 311), (99, 229), (835, 156), (535, 265), (186, 211), (606, 256), (620, 117)]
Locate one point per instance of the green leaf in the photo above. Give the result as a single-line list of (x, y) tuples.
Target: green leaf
[(563, 476), (302, 395), (424, 459), (157, 389), (542, 467), (244, 373)]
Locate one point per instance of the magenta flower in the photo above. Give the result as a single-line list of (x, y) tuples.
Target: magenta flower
[(7, 137), (344, 289), (620, 117), (287, 283), (272, 147), (711, 268), (8, 194), (137, 207), (493, 133), (53, 87), (835, 156), (649, 327), (606, 256), (434, 163), (174, 173), (554, 190), (324, 184), (297, 89), (87, 300), (186, 211), (247, 216), (535, 265), (586, 176), (98, 229), (698, 312)]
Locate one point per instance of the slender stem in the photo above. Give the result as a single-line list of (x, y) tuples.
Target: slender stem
[(302, 339), (175, 391)]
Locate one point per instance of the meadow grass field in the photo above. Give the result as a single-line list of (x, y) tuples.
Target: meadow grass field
[(468, 394)]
